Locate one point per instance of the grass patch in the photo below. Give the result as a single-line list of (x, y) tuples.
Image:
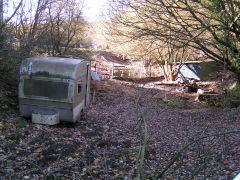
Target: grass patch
[(169, 104), (20, 122)]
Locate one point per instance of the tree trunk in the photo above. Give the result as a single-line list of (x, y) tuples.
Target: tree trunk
[(172, 76), (1, 12)]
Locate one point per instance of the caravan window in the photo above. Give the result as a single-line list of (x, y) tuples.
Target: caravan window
[(79, 86), (49, 89)]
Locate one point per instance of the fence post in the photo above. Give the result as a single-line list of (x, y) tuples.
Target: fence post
[(140, 72), (150, 70), (112, 70)]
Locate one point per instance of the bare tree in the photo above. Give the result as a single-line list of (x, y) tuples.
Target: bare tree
[(3, 21), (1, 11), (28, 23), (209, 26), (48, 25), (171, 60), (63, 23), (130, 28)]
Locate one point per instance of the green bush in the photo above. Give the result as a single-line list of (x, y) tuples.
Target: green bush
[(232, 100), (227, 102), (20, 122), (234, 90), (2, 38)]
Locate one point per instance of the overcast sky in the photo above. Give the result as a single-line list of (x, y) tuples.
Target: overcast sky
[(93, 9)]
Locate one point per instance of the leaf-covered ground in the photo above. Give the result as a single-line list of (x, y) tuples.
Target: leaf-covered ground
[(105, 144)]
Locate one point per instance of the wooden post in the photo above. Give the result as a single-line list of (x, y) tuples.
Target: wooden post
[(112, 70), (141, 72), (150, 70)]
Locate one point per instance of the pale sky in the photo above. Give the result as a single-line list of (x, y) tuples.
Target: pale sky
[(93, 9)]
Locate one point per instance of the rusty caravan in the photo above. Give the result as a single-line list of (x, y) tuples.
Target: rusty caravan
[(54, 88)]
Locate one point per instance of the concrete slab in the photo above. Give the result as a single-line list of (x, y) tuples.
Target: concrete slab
[(50, 118)]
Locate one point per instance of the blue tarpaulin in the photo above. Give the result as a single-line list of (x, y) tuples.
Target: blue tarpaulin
[(95, 76)]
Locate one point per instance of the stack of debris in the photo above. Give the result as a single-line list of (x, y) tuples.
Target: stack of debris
[(189, 85), (209, 96), (204, 95)]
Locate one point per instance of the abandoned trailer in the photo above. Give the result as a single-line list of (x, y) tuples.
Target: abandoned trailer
[(53, 89)]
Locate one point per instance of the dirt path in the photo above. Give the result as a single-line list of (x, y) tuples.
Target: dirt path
[(105, 144)]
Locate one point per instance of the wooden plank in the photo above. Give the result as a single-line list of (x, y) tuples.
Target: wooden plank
[(119, 66)]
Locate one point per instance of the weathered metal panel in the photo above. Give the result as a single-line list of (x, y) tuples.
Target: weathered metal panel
[(87, 97), (85, 90), (53, 67), (65, 114), (79, 96), (49, 103)]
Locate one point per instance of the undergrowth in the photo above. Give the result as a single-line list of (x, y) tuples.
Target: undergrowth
[(232, 100), (173, 104)]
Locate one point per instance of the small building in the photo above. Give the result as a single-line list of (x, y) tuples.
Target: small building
[(54, 87), (199, 70)]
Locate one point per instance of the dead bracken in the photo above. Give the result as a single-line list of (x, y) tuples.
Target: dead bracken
[(106, 142)]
